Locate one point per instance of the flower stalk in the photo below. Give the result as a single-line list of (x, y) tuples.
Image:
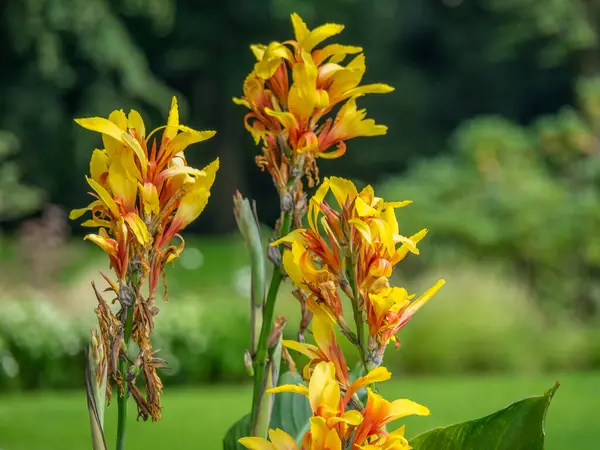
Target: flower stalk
[(260, 359), (123, 369), (359, 322)]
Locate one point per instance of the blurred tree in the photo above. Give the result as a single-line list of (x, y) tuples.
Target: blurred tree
[(448, 60), (526, 196), (16, 199)]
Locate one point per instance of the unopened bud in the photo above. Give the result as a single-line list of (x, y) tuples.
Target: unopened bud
[(274, 255), (287, 203), (248, 363), (247, 221)]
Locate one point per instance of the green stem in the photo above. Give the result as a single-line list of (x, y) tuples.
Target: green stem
[(260, 359), (358, 319), (122, 400)]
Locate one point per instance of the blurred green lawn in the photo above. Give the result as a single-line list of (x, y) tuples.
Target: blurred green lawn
[(197, 418)]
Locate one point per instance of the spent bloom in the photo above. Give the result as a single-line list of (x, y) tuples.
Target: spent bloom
[(144, 193), (291, 93)]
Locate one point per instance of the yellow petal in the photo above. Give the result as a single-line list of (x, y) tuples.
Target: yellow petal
[(104, 196), (337, 52), (101, 125), (419, 302), (404, 407), (323, 329), (342, 189), (138, 228), (108, 245), (122, 183), (77, 213), (274, 53), (285, 118), (258, 50), (295, 388), (139, 151), (374, 376), (294, 236), (351, 417), (98, 164), (94, 223), (196, 198), (135, 122), (188, 137), (173, 120), (377, 88), (410, 245), (292, 268), (320, 34), (302, 98), (403, 251), (301, 31), (241, 101), (256, 443), (281, 440), (323, 389), (306, 349), (150, 199), (315, 204), (362, 228), (332, 441)]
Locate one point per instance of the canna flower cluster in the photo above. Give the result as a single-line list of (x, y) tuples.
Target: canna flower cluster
[(144, 195), (291, 92), (354, 249), (339, 419)]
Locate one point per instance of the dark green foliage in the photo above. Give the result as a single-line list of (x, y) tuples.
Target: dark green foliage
[(449, 60), (239, 429), (524, 196), (520, 426)]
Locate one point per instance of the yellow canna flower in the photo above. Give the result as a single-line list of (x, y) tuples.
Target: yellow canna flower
[(144, 195), (333, 425), (290, 92), (147, 187), (395, 311), (327, 348), (379, 412)]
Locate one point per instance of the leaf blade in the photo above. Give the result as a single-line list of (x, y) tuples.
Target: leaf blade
[(520, 426)]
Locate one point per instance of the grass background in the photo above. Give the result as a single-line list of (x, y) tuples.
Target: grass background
[(197, 418)]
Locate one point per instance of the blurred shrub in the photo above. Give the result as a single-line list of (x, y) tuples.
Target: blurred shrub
[(485, 321), (41, 346), (526, 197), (482, 321), (16, 199)]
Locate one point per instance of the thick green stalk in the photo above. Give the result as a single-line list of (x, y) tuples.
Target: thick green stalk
[(358, 318), (260, 359), (122, 400)]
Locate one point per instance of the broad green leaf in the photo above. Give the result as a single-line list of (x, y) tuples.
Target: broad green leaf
[(291, 412), (520, 426), (238, 430)]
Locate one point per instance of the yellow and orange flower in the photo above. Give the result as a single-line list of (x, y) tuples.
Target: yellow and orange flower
[(379, 412), (290, 92), (144, 193), (333, 425), (327, 348)]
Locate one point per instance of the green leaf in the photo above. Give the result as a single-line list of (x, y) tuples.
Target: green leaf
[(520, 426), (291, 412), (238, 430)]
